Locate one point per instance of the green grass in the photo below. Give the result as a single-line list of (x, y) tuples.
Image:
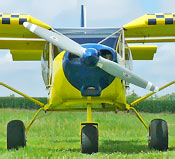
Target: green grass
[(57, 135)]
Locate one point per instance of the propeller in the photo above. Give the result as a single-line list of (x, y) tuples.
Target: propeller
[(115, 69), (56, 38)]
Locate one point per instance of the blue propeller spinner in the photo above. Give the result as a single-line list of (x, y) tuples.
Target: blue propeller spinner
[(90, 57)]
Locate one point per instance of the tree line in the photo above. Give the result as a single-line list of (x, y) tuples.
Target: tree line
[(20, 102), (154, 104)]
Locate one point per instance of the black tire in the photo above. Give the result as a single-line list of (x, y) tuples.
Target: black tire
[(158, 135), (89, 139), (15, 135)]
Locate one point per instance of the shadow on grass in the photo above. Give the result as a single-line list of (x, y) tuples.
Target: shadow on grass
[(47, 149), (74, 141), (108, 147), (68, 141), (65, 150), (171, 148), (3, 149), (126, 147)]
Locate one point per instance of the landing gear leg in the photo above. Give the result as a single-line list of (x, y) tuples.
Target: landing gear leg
[(89, 134), (158, 132), (158, 128), (16, 132)]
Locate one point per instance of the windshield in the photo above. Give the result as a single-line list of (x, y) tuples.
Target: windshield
[(92, 35)]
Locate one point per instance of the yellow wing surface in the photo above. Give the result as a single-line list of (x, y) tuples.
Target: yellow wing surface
[(151, 25), (143, 52), (23, 44), (149, 28)]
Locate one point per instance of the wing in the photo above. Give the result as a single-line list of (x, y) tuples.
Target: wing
[(145, 52), (23, 44), (151, 28), (26, 46)]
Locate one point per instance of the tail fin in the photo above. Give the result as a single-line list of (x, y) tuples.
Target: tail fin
[(83, 16)]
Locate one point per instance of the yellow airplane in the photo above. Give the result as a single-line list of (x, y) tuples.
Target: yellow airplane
[(86, 66)]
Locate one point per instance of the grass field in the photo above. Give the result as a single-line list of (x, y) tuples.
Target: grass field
[(57, 135)]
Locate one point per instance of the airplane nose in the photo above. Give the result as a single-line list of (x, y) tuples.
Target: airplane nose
[(82, 72)]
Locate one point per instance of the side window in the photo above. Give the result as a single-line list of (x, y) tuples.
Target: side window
[(49, 53), (45, 65), (128, 58)]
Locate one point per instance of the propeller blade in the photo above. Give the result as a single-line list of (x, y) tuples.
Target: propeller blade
[(63, 42), (119, 71), (56, 38)]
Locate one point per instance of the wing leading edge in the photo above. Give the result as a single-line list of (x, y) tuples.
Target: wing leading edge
[(23, 44), (151, 25), (26, 46), (150, 28)]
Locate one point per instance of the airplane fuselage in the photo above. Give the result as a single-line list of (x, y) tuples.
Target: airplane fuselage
[(73, 82)]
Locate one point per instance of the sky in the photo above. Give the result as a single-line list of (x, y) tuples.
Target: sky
[(26, 76)]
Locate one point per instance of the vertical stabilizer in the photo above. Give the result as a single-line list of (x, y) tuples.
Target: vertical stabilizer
[(83, 16)]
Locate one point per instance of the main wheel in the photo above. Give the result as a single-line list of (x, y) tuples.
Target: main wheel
[(15, 134), (158, 135), (89, 139)]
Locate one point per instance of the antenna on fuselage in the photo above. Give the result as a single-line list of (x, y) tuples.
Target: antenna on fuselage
[(83, 16)]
